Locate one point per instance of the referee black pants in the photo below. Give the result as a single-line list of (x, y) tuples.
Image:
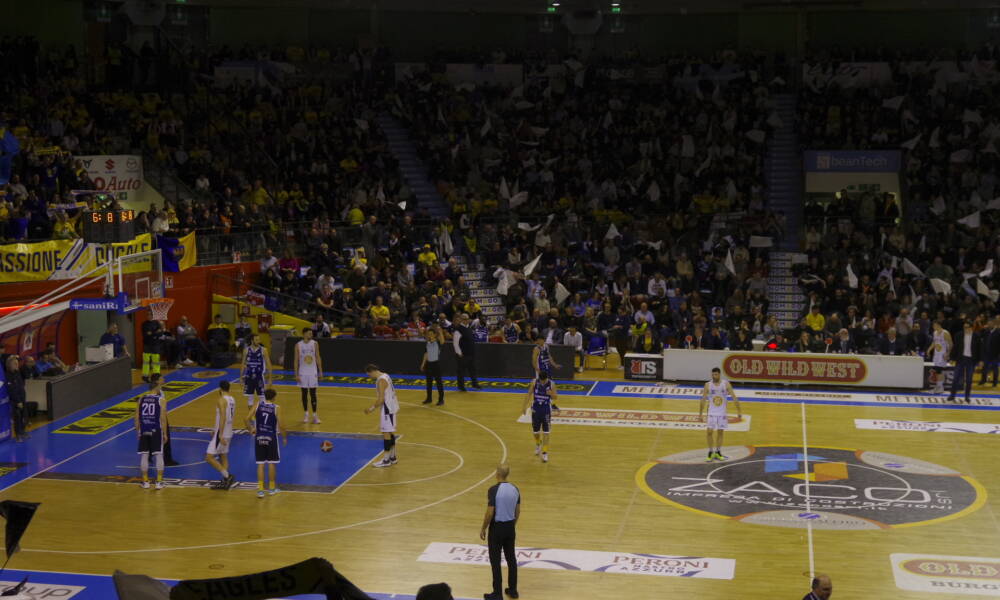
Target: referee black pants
[(501, 537), (466, 364), (433, 374)]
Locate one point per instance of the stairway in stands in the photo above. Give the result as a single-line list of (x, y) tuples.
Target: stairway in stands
[(482, 290), (783, 175), (414, 171)]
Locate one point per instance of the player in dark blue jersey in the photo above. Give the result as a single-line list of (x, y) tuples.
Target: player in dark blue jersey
[(151, 429), (264, 422), (511, 331), (542, 398), (541, 358), (256, 370)]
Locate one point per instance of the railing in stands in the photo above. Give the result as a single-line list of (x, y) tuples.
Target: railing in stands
[(296, 306)]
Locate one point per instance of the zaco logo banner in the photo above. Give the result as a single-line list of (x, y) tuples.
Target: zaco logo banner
[(847, 489)]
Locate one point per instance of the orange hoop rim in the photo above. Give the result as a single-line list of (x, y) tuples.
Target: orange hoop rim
[(154, 301)]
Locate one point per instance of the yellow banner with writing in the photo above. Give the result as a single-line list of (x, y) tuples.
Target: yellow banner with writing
[(62, 259)]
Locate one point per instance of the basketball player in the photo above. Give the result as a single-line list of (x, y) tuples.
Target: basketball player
[(225, 412), (308, 366), (511, 331), (264, 422), (388, 403), (542, 397), (541, 358), (256, 367), (151, 428), (939, 351), (717, 392)]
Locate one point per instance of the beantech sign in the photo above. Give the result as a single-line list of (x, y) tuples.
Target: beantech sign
[(795, 368), (870, 371)]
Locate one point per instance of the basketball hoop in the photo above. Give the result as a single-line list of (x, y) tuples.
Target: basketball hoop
[(160, 307)]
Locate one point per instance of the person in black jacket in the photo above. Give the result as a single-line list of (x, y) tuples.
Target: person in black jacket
[(966, 353), (991, 353), (18, 396), (843, 344), (891, 344), (465, 352)]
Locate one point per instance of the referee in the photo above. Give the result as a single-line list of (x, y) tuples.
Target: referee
[(503, 509)]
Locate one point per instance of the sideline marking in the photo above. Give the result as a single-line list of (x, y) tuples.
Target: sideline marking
[(488, 477)]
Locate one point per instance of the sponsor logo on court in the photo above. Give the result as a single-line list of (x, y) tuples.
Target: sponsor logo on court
[(420, 382), (43, 590), (676, 391), (208, 374), (926, 426), (8, 468), (749, 367), (651, 419), (831, 488), (972, 575), (624, 563), (125, 410), (178, 482)]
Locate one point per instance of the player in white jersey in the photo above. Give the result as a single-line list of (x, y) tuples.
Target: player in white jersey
[(222, 434), (717, 393), (308, 367), (388, 403), (939, 352)]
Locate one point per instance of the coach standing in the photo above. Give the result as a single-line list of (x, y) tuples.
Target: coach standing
[(966, 352), (502, 511), (18, 397), (822, 588), (465, 353)]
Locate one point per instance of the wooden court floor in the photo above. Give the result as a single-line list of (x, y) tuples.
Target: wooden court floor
[(591, 496)]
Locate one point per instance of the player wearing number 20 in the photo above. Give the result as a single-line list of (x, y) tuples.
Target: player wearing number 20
[(717, 393)]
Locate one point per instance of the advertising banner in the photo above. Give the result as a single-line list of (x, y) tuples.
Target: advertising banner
[(852, 161), (859, 370), (644, 366), (61, 259), (116, 173), (937, 574), (626, 563)]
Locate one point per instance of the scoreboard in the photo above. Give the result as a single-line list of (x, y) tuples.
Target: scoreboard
[(108, 226)]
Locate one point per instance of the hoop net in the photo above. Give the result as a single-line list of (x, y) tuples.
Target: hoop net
[(160, 307)]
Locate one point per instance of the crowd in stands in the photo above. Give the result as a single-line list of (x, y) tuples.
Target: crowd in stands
[(941, 114), (560, 167)]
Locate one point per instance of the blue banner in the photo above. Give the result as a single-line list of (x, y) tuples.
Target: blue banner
[(117, 303), (852, 161)]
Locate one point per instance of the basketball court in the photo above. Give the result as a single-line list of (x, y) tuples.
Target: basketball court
[(893, 495)]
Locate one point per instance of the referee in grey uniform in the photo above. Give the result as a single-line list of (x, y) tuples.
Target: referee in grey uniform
[(504, 507)]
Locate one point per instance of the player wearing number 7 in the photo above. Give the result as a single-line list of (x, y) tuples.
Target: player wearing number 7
[(717, 393), (264, 422)]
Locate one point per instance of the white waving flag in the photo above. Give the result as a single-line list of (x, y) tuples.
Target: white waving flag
[(988, 270), (561, 293), (911, 269), (941, 287), (729, 262), (910, 144), (972, 220), (504, 190), (984, 290), (852, 279), (528, 268), (518, 199), (612, 233), (923, 244)]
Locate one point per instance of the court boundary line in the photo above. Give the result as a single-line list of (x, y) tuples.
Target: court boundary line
[(805, 473), (491, 475), (461, 463)]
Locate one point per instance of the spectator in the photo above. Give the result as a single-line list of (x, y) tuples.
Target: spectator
[(112, 337), (192, 349), (29, 370), (822, 588), (843, 344), (574, 339)]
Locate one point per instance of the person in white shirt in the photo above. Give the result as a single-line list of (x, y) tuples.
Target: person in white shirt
[(657, 287), (644, 314), (388, 405), (574, 339), (222, 434), (268, 261), (717, 394)]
